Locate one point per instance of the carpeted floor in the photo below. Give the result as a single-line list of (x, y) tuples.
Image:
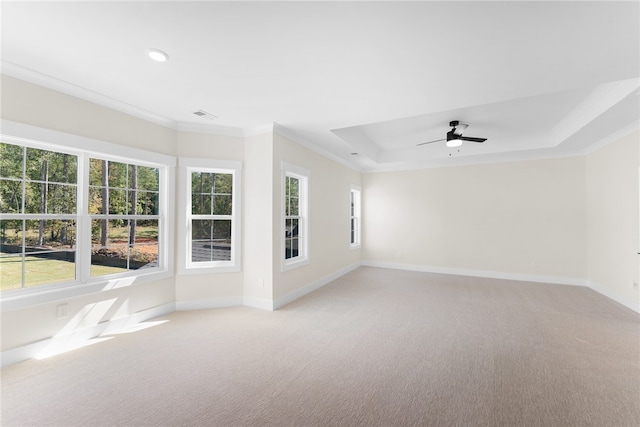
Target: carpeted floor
[(376, 347)]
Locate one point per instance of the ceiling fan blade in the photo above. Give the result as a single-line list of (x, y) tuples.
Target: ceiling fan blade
[(460, 128), (472, 139), (430, 142)]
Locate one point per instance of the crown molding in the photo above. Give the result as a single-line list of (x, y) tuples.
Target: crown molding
[(49, 82)]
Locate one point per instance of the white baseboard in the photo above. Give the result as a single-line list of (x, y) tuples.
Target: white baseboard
[(292, 296), (75, 339), (208, 303), (479, 273), (261, 303), (633, 305)]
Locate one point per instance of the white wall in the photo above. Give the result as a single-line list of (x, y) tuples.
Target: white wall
[(257, 221), (613, 218), (520, 219), (206, 289), (329, 194), (34, 105)]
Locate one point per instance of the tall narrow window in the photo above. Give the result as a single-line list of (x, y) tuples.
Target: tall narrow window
[(124, 207), (354, 216), (38, 222), (292, 217), (212, 238), (295, 216)]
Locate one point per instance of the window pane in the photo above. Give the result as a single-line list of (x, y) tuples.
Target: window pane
[(49, 267), (201, 183), (61, 199), (291, 248), (117, 202), (95, 172), (110, 246), (294, 206), (148, 178), (211, 240), (10, 160), (10, 196), (147, 203), (37, 164), (293, 187), (117, 175), (50, 234), (144, 251), (201, 204), (62, 168), (222, 205), (96, 197), (223, 183), (34, 198)]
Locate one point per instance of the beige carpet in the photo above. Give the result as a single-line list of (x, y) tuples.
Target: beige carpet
[(376, 347)]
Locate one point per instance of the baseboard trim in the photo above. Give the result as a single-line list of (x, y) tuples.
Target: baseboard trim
[(69, 341), (204, 304), (633, 305), (316, 284), (261, 303), (479, 273)]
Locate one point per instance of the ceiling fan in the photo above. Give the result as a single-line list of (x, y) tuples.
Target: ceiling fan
[(454, 136)]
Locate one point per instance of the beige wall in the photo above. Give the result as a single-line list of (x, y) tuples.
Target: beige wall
[(571, 218), (613, 219), (34, 105), (209, 288), (257, 221), (525, 218), (329, 189)]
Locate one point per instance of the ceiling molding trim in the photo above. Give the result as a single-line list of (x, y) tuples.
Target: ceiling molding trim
[(601, 99), (616, 136), (16, 71), (294, 137), (210, 129), (506, 157)]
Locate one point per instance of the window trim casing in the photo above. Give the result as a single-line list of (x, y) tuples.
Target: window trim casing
[(186, 166), (357, 190), (84, 147), (304, 175)]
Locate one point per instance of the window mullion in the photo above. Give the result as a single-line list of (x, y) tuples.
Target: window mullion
[(83, 244)]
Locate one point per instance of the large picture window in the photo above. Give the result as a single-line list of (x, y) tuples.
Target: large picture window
[(123, 205), (70, 214), (38, 222), (212, 239), (295, 203)]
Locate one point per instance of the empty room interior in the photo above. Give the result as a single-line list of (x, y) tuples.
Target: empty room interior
[(320, 213)]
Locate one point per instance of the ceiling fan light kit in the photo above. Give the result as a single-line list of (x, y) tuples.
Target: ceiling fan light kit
[(454, 136)]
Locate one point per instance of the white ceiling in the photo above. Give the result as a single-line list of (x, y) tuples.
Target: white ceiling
[(538, 79)]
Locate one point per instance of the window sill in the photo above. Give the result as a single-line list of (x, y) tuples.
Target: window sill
[(292, 265), (64, 291)]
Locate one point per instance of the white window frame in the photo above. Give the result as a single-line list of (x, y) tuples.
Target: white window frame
[(187, 166), (85, 148), (304, 177), (355, 197)]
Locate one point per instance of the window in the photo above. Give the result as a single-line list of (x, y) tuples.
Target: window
[(212, 238), (123, 207), (354, 215), (295, 216), (71, 212), (38, 225)]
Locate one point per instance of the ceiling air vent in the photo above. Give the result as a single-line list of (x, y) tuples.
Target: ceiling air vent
[(205, 115)]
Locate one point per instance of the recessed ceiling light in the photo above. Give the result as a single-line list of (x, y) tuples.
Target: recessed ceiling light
[(157, 55)]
